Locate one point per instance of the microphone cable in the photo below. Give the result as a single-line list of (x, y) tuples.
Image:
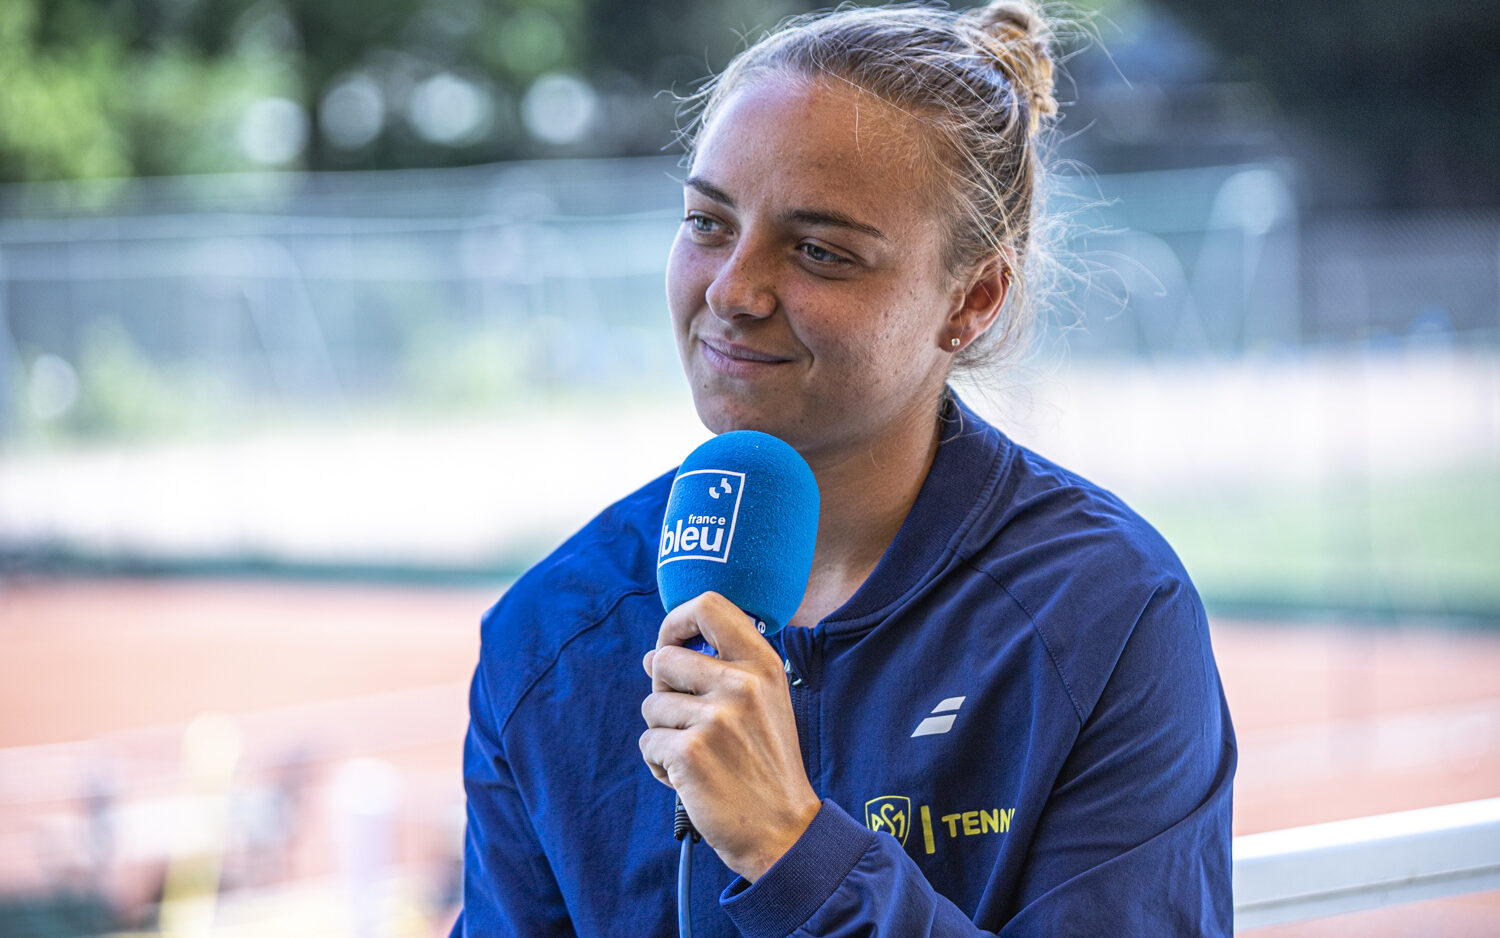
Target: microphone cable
[(683, 830)]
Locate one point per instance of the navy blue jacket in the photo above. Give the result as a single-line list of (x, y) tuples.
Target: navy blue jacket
[(1016, 725)]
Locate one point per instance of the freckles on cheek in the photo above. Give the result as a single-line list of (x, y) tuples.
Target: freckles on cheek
[(885, 330)]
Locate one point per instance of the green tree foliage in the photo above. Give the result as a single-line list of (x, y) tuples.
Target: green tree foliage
[(96, 90), (55, 116), (112, 88), (108, 88)]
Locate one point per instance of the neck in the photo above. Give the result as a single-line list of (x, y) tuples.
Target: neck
[(865, 494)]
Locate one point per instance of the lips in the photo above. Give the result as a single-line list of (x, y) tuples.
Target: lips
[(739, 359)]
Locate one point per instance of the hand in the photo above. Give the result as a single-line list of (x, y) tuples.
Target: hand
[(721, 732)]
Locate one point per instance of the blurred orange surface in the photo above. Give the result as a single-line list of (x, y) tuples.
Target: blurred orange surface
[(99, 678)]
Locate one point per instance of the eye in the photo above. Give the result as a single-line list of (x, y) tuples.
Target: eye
[(702, 226), (819, 254)]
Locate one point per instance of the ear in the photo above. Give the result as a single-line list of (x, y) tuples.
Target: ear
[(978, 301)]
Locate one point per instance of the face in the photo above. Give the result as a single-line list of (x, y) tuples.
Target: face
[(807, 289)]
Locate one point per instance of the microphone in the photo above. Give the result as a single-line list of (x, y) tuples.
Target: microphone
[(741, 521)]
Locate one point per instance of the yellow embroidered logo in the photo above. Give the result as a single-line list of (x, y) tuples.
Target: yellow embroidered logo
[(890, 813)]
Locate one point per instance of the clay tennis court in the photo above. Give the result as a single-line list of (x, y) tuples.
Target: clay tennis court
[(100, 678)]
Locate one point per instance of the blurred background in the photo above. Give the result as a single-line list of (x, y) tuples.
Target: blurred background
[(320, 321)]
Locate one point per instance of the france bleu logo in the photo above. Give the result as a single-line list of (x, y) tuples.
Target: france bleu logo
[(701, 512)]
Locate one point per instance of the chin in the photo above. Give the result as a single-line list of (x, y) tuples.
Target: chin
[(721, 415), (720, 419)]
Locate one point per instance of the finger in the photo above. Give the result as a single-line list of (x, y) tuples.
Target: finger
[(646, 661), (680, 670), (656, 770), (722, 624), (673, 711), (661, 748)]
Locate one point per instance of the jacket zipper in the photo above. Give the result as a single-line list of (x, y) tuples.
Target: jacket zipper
[(800, 692)]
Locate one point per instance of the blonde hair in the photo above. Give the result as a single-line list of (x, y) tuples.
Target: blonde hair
[(980, 82)]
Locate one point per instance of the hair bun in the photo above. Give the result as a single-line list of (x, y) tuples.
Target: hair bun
[(1019, 39)]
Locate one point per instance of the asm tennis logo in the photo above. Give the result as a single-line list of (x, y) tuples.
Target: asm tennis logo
[(890, 813), (893, 815), (701, 512)]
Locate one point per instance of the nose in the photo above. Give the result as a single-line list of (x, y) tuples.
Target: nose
[(743, 286)]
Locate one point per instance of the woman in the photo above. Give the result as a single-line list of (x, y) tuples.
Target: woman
[(996, 710)]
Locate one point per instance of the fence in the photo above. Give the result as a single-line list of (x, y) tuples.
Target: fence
[(322, 288), (205, 306), (1365, 863)]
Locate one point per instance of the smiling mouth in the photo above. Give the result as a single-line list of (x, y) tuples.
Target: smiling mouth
[(731, 357)]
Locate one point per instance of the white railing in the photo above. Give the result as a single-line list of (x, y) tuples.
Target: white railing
[(1346, 866)]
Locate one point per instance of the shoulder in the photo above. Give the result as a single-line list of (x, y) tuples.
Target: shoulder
[(575, 590), (614, 553), (1089, 572), (1019, 502), (1068, 524)]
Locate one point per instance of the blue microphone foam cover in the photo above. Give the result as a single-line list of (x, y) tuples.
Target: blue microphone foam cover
[(741, 520)]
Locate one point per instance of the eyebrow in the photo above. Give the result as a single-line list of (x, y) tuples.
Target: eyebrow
[(806, 216)]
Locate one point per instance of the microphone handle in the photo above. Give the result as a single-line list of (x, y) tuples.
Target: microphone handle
[(682, 825), (685, 873)]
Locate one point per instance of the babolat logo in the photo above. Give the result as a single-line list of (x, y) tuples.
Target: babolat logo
[(701, 512)]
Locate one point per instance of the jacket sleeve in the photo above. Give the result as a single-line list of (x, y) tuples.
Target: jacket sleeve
[(841, 880), (1134, 838), (508, 887)]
